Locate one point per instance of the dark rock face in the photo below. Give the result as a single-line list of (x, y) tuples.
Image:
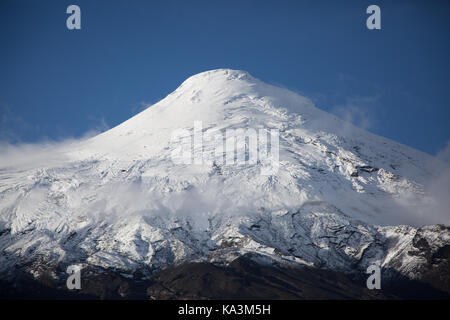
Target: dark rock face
[(242, 279), (245, 279)]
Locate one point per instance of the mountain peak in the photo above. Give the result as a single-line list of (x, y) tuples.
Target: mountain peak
[(223, 99), (223, 74), (221, 89)]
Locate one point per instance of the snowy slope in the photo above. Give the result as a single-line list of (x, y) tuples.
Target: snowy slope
[(342, 198)]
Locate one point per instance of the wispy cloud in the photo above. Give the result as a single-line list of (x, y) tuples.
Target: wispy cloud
[(436, 207), (444, 154), (141, 106), (33, 155), (98, 125), (42, 153), (358, 110), (439, 187), (12, 127)]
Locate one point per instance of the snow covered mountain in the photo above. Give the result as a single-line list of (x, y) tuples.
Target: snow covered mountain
[(341, 198)]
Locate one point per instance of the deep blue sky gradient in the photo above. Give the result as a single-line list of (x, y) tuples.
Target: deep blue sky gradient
[(56, 83)]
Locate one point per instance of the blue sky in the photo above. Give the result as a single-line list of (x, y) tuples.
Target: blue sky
[(57, 83)]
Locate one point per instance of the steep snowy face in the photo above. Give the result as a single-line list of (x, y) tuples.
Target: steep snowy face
[(219, 99), (321, 157), (122, 200)]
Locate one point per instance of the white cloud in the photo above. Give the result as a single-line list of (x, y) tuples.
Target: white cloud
[(100, 125), (357, 110), (31, 155), (444, 154), (439, 187)]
